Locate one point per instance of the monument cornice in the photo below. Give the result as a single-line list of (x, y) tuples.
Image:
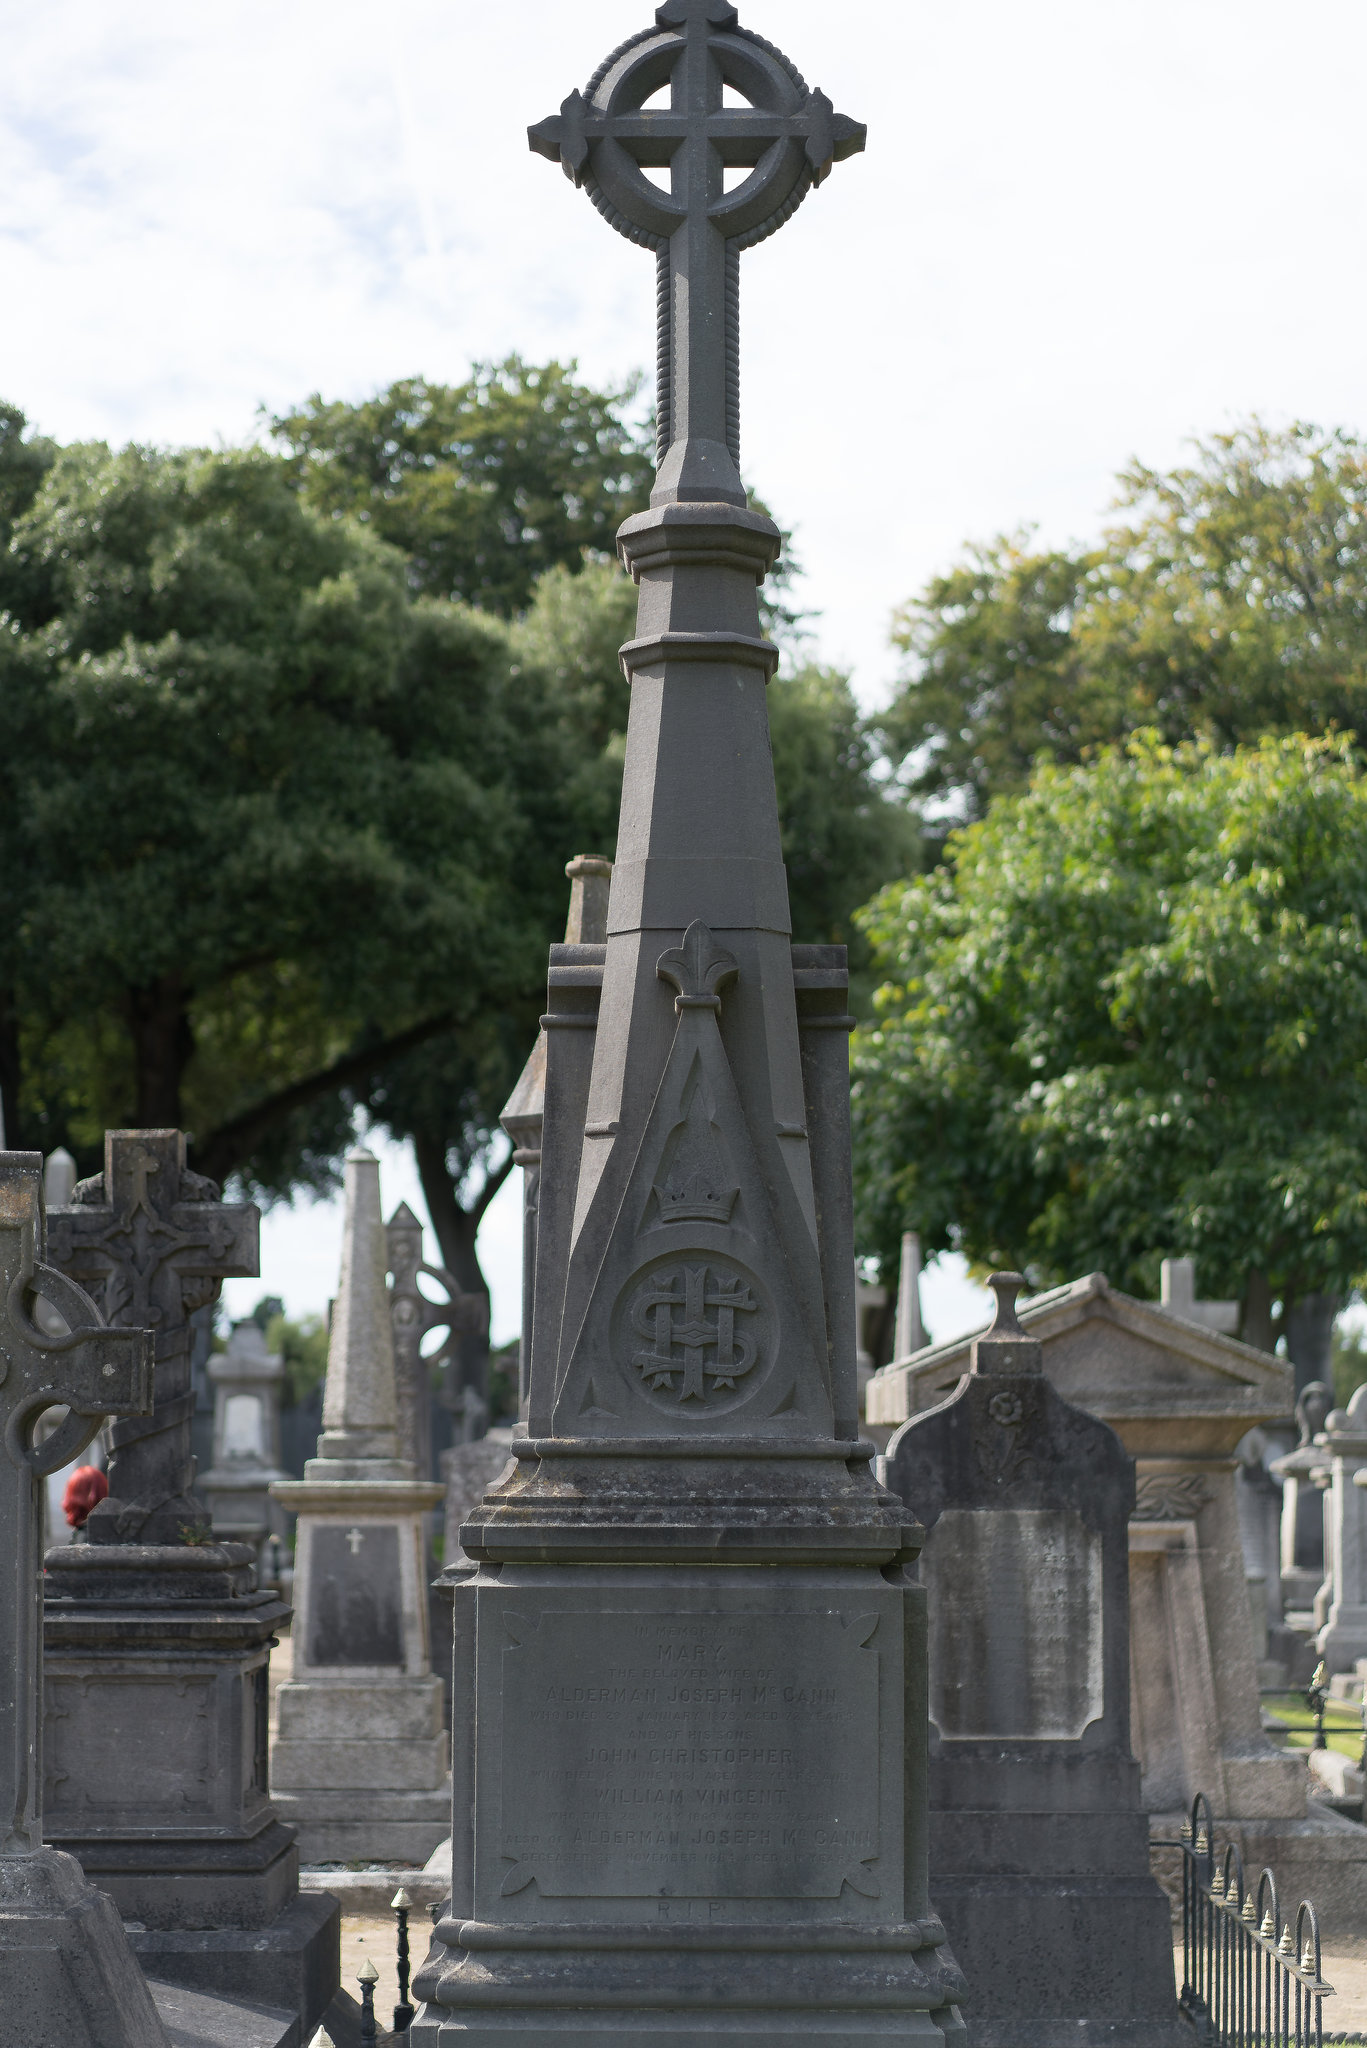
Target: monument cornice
[(657, 649), (357, 1496)]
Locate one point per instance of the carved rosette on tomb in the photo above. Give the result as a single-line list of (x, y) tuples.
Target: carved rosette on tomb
[(686, 1796)]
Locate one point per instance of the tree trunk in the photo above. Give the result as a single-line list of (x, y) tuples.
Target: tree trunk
[(1310, 1337), (11, 1074), (457, 1230), (158, 1018), (1258, 1325)]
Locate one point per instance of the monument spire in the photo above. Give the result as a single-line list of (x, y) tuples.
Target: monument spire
[(692, 1406)]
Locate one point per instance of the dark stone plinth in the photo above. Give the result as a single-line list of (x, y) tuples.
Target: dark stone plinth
[(705, 1812), (1039, 1854), (156, 1732)]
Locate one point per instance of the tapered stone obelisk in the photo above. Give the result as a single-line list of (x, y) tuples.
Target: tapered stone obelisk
[(359, 1762), (689, 1710)]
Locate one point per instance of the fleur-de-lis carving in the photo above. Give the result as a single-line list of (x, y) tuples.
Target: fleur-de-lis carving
[(699, 969)]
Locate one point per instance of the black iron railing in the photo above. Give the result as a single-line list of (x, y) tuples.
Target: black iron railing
[(1249, 1978)]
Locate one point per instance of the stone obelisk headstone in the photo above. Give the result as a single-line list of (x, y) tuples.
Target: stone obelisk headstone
[(360, 1761), (690, 1803), (1039, 1847), (158, 1638), (66, 1971)]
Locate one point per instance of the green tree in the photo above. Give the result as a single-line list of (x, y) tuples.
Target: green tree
[(1231, 601), (483, 485), (1128, 1017), (261, 822)]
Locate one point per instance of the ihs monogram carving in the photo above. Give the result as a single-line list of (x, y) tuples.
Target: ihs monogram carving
[(694, 1348)]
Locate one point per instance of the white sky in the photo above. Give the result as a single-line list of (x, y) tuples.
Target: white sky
[(1081, 232)]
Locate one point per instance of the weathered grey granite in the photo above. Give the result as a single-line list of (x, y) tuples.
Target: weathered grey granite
[(1180, 1397), (688, 1718), (158, 1638), (468, 1471), (67, 1974), (1039, 1847), (246, 1378), (1343, 1639), (524, 1111), (360, 1759)]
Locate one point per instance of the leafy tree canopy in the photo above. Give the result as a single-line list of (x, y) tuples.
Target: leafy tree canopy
[(483, 485), (261, 812), (1230, 602), (1127, 1017)]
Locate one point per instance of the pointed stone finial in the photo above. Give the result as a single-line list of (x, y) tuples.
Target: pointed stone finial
[(59, 1179), (360, 1407), (1006, 1348), (590, 879)]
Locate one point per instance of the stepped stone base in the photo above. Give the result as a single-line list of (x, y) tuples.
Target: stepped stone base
[(293, 1962), (368, 1827), (362, 1770)]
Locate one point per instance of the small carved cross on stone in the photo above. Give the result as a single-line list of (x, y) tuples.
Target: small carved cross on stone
[(354, 1539), (92, 1372), (413, 1315), (152, 1243), (785, 135)]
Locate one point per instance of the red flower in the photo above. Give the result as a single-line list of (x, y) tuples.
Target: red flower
[(85, 1489)]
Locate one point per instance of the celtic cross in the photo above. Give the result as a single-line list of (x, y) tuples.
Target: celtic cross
[(152, 1243), (413, 1315), (786, 136), (92, 1372)]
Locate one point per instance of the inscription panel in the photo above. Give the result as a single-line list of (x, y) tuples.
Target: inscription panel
[(1015, 1623), (355, 1612), (697, 1755)]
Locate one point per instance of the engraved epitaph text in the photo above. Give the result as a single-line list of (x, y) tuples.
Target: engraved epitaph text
[(705, 1755)]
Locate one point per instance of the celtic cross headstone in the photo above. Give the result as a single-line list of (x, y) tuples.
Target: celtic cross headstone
[(65, 1966), (683, 1773), (158, 1635), (152, 1242)]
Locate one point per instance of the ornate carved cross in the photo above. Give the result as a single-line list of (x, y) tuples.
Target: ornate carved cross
[(413, 1315), (785, 135), (152, 1243), (92, 1372)]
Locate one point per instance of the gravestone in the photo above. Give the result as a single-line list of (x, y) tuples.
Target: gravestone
[(524, 1112), (414, 1315), (246, 1379), (1180, 1397), (1303, 1553), (360, 1760), (1039, 1847), (688, 1722), (1343, 1440), (66, 1971), (158, 1637)]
